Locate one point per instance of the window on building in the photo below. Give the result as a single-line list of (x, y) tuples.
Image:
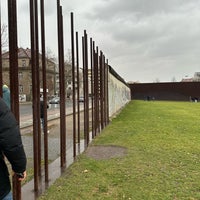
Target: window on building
[(23, 63), (20, 75), (21, 89)]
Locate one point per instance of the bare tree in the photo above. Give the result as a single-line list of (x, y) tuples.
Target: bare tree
[(50, 55), (68, 73), (4, 35), (68, 58)]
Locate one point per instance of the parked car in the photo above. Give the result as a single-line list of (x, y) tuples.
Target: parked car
[(55, 100), (81, 99)]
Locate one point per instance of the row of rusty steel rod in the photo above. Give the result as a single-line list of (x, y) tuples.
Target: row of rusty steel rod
[(95, 89), (98, 88)]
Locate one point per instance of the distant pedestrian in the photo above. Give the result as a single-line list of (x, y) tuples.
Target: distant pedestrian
[(10, 147), (42, 111), (6, 95)]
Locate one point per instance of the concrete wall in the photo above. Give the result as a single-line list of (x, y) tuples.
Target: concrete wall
[(118, 92)]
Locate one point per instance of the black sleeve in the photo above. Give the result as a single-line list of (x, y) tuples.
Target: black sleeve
[(10, 139), (14, 151)]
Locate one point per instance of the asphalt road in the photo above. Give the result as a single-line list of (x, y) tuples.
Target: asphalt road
[(26, 108)]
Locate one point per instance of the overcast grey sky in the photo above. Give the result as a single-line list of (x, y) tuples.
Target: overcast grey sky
[(144, 40)]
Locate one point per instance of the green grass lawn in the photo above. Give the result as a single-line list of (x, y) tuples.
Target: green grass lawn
[(162, 162)]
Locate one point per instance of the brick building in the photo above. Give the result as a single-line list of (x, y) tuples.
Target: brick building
[(25, 74)]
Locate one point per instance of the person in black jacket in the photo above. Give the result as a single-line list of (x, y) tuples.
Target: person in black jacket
[(10, 147)]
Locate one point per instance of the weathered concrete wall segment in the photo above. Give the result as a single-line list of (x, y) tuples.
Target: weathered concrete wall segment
[(118, 92)]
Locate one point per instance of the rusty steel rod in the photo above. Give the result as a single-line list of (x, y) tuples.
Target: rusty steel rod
[(98, 91), (35, 96), (38, 85), (61, 86), (78, 89), (101, 88), (13, 55), (73, 85), (104, 92), (63, 113), (95, 93), (44, 90), (95, 89), (86, 88), (91, 82), (12, 28), (107, 94), (59, 66)]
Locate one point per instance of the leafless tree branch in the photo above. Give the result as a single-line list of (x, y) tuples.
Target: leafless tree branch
[(4, 35)]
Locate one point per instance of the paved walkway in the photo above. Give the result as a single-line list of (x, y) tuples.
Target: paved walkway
[(53, 150)]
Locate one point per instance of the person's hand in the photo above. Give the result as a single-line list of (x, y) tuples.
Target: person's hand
[(21, 176)]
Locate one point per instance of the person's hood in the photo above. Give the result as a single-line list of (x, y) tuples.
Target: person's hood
[(5, 89)]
